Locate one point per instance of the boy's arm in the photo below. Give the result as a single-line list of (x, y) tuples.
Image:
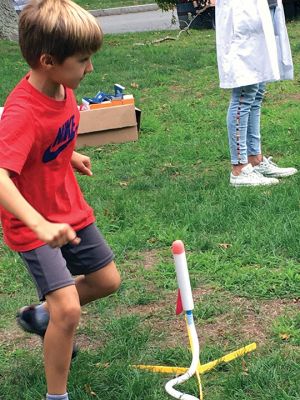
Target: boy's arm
[(81, 163), (56, 235)]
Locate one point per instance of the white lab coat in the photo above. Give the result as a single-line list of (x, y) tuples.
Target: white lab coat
[(248, 51)]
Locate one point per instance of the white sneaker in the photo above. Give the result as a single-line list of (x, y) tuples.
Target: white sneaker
[(250, 177), (269, 169)]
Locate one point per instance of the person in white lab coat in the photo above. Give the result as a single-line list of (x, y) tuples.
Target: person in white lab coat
[(252, 49)]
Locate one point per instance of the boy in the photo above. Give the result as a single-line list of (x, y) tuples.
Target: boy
[(44, 215)]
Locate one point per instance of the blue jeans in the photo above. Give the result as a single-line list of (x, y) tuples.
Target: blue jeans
[(243, 122)]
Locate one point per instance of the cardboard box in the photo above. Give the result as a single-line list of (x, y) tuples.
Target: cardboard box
[(115, 124)]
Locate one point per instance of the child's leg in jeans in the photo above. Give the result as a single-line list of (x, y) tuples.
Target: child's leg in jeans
[(64, 309), (253, 134), (238, 115)]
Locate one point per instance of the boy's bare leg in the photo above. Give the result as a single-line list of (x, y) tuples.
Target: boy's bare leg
[(98, 284), (64, 309)]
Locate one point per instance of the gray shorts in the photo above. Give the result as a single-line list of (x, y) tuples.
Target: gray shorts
[(52, 269)]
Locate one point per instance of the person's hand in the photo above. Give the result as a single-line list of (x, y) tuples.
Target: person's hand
[(56, 235), (81, 163)]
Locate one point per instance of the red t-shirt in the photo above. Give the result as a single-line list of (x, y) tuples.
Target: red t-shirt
[(37, 139)]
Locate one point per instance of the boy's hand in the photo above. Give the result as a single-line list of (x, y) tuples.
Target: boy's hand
[(81, 163), (56, 235)]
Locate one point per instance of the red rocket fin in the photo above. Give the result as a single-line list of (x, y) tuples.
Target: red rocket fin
[(179, 307)]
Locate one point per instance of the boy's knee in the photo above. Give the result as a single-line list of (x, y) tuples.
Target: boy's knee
[(104, 282), (109, 287), (68, 316), (115, 284), (72, 315)]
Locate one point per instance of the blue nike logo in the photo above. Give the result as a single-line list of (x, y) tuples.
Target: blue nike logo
[(51, 155), (65, 135)]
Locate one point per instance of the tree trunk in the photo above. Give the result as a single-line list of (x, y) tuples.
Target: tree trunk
[(8, 21)]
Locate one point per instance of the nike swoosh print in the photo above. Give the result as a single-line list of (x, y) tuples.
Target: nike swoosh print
[(51, 155)]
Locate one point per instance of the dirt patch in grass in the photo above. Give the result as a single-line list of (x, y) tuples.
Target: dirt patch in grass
[(244, 321), (168, 330), (16, 338), (150, 259), (293, 96), (282, 99)]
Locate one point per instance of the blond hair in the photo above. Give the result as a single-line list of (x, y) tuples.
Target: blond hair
[(60, 28)]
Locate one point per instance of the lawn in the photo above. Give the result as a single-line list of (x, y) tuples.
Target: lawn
[(100, 4), (242, 245)]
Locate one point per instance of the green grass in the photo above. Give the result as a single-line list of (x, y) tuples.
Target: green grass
[(173, 183), (100, 4)]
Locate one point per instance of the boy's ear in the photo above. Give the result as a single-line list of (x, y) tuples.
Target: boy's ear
[(47, 61)]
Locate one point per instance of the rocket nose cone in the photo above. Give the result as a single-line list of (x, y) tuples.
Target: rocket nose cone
[(177, 247)]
